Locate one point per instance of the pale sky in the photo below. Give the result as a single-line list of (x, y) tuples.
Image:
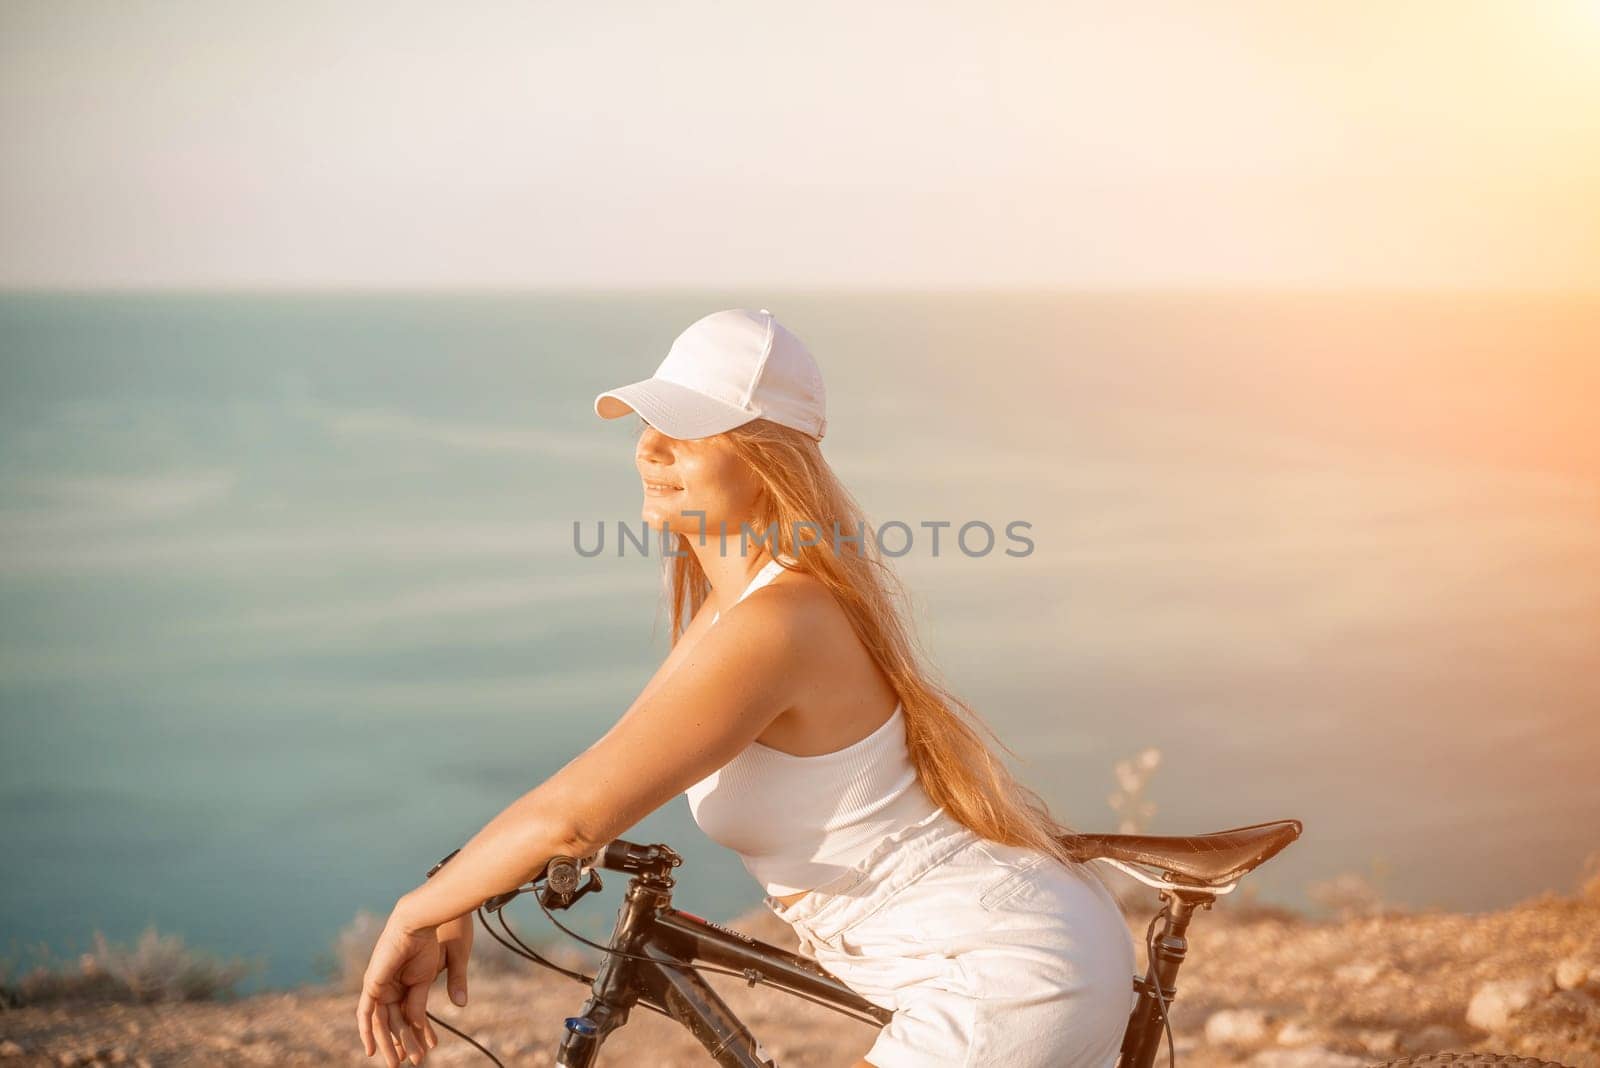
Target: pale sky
[(365, 144)]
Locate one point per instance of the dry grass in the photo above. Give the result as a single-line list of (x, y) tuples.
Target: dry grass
[(156, 968)]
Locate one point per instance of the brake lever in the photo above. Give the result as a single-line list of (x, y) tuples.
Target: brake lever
[(559, 888), (551, 898)]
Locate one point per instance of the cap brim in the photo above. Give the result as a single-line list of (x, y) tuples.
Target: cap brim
[(677, 411)]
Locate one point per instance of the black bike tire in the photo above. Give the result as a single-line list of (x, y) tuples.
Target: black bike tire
[(1470, 1060)]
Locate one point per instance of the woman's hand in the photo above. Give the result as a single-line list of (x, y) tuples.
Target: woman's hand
[(455, 940), (392, 1014)]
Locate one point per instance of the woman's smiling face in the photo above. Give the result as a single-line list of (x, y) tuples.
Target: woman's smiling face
[(689, 476)]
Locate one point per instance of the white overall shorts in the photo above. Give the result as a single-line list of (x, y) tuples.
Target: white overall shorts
[(988, 954)]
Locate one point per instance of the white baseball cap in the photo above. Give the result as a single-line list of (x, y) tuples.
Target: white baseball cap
[(726, 369)]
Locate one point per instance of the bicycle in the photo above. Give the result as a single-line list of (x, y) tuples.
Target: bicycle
[(656, 951)]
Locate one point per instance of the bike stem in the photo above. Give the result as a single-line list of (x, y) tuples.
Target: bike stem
[(614, 993), (1161, 973)]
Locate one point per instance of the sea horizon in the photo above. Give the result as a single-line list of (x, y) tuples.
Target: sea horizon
[(1338, 560)]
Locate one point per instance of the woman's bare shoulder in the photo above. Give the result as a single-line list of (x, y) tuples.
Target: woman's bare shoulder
[(803, 595)]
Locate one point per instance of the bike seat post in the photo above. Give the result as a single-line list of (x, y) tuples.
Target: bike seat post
[(1145, 1030)]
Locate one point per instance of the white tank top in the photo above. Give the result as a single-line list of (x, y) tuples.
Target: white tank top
[(798, 821)]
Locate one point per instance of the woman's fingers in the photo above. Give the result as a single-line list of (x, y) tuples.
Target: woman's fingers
[(385, 1034), (429, 1035), (411, 1047), (455, 955), (416, 1011), (364, 1024)]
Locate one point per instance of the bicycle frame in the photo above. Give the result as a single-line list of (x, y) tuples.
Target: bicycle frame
[(655, 944), (647, 926)]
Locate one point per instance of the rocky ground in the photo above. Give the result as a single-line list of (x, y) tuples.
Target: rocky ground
[(1263, 990)]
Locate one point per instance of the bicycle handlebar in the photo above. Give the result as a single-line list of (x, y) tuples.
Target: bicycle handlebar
[(562, 873)]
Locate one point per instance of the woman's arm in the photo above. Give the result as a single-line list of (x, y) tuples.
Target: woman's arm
[(737, 679)]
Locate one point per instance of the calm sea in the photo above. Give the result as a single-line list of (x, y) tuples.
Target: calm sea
[(289, 604)]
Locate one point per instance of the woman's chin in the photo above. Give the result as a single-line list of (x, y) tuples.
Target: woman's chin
[(657, 516)]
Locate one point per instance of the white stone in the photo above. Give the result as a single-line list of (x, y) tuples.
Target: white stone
[(1361, 971), (1236, 1026), (1573, 973), (1295, 1033), (1495, 1003)]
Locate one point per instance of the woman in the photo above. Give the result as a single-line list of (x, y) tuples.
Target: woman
[(808, 739)]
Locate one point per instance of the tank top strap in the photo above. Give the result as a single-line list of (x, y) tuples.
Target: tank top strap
[(768, 572)]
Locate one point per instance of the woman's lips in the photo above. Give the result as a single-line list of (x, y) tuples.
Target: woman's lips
[(660, 489)]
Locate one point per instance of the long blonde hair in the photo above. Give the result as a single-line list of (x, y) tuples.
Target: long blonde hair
[(953, 763)]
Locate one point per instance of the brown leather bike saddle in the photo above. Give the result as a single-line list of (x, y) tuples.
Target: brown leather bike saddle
[(1208, 859)]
